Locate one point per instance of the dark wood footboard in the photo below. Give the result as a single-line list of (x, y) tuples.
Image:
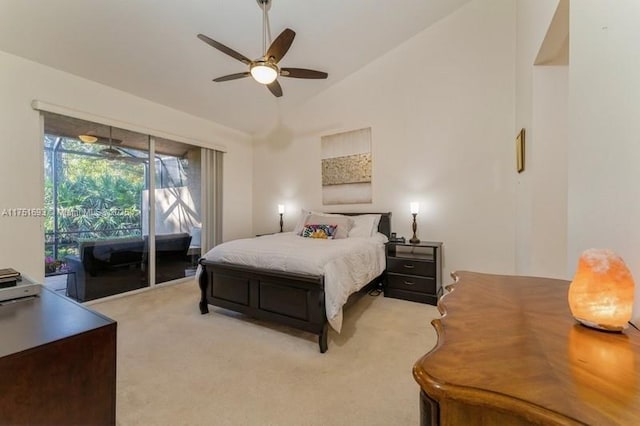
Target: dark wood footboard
[(296, 300)]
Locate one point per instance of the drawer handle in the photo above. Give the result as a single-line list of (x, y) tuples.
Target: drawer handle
[(409, 283), (409, 266)]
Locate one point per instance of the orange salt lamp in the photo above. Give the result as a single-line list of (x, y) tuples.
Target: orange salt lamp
[(601, 293)]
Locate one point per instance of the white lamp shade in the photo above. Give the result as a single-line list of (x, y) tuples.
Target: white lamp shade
[(415, 208), (281, 208), (263, 73)]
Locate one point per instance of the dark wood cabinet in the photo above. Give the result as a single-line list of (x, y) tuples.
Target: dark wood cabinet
[(414, 271), (57, 363)]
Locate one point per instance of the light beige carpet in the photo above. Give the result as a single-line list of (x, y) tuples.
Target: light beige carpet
[(178, 367)]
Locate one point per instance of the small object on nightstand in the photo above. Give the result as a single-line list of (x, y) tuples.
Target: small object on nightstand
[(9, 277), (9, 273), (414, 271)]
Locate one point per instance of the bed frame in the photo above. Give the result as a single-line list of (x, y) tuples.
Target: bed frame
[(295, 300)]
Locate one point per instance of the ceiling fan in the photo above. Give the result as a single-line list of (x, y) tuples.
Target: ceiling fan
[(110, 152), (117, 153), (265, 69)]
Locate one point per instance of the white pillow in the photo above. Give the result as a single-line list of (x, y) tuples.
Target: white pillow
[(343, 223), (304, 214), (365, 225), (376, 223)]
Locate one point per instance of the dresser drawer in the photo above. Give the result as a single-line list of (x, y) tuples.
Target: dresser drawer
[(412, 283), (410, 266)]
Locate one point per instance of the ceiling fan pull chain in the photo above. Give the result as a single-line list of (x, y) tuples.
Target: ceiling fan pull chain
[(267, 31), (264, 27)]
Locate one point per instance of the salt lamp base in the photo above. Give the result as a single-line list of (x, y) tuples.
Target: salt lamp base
[(601, 327)]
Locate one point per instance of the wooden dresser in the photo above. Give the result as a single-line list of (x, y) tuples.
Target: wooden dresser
[(509, 352), (57, 363)]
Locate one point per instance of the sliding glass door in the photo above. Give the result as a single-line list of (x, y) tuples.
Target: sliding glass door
[(123, 208)]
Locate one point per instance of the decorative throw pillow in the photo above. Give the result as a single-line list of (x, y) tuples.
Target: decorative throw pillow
[(324, 232), (343, 223)]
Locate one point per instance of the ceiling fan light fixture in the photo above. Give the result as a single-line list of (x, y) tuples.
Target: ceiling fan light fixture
[(264, 72), (88, 138)]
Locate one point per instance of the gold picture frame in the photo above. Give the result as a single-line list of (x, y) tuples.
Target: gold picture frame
[(520, 151)]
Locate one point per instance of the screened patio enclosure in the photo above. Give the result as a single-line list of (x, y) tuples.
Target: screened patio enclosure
[(122, 208)]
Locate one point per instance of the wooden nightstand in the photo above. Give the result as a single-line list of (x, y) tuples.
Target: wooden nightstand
[(414, 271)]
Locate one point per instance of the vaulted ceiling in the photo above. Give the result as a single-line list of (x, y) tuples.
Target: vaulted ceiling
[(149, 48)]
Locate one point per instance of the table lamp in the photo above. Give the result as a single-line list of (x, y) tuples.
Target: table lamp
[(601, 293), (281, 211), (414, 207)]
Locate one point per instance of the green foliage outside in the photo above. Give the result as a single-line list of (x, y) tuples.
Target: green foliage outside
[(97, 197)]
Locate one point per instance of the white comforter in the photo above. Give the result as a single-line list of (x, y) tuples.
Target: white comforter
[(347, 264)]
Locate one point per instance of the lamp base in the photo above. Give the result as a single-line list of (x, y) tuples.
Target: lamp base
[(414, 226), (602, 327)]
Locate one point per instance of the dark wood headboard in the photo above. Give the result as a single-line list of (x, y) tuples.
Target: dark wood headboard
[(384, 226)]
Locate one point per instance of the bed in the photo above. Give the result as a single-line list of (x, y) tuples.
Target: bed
[(265, 290)]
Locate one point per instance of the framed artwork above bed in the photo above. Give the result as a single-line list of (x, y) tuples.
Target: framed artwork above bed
[(346, 167)]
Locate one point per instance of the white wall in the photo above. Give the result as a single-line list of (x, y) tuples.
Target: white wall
[(532, 22), (441, 109), (604, 131), (21, 174), (547, 172)]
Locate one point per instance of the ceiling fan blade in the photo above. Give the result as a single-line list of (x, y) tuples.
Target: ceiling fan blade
[(275, 88), (224, 49), (232, 76), (280, 45), (110, 152), (302, 73)]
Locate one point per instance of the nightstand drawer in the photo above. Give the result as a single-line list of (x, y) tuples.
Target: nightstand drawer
[(412, 283), (410, 266)]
